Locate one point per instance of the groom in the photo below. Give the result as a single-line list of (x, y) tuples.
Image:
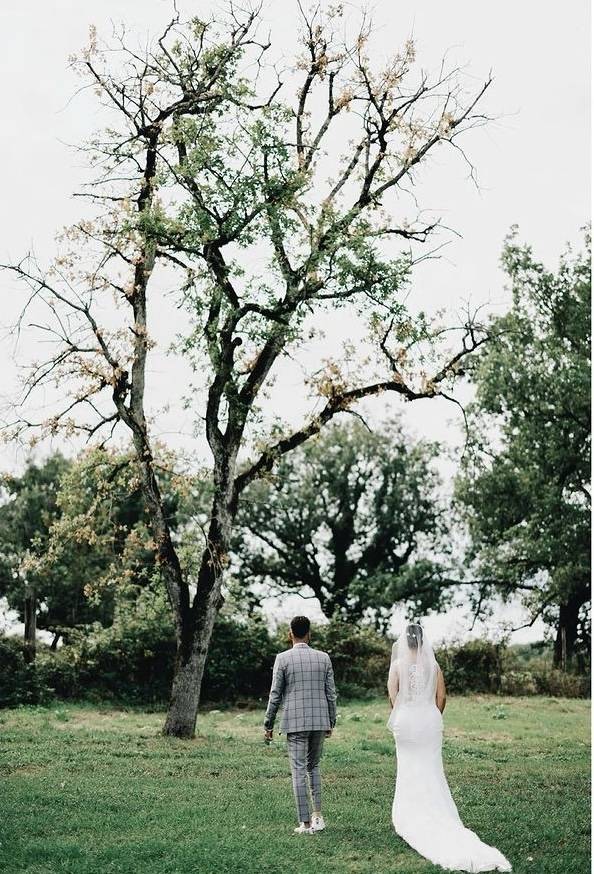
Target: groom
[(303, 679)]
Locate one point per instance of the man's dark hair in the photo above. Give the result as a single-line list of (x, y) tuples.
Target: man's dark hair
[(300, 626)]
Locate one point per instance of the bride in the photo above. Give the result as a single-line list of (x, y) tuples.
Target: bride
[(424, 813)]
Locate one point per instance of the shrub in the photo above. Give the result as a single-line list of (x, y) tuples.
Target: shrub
[(474, 666), (559, 684), (240, 661), (61, 672), (22, 683), (13, 674), (518, 683), (131, 660)]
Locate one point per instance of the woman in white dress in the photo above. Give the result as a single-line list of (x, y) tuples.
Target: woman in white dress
[(424, 813)]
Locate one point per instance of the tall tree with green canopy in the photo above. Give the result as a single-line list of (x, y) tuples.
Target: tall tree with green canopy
[(353, 518), (71, 531), (264, 211), (27, 510), (525, 482)]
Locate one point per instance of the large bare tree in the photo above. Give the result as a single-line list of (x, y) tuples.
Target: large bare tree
[(272, 197)]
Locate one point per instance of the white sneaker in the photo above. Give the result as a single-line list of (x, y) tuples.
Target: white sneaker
[(303, 829), (317, 822)]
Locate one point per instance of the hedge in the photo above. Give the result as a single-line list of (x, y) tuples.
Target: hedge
[(132, 662)]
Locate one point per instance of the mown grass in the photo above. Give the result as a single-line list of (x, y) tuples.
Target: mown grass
[(89, 790)]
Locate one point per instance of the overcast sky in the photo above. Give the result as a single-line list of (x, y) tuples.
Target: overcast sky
[(533, 164)]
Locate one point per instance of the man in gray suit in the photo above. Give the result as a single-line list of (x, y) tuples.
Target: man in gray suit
[(303, 680)]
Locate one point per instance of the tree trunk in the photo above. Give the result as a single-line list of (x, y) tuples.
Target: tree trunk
[(190, 660), (197, 622), (567, 632), (194, 621), (29, 651)]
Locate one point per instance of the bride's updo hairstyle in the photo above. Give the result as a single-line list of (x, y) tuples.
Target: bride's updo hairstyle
[(414, 662), (414, 635)]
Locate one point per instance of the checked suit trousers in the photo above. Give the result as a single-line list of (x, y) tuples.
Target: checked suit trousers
[(305, 750)]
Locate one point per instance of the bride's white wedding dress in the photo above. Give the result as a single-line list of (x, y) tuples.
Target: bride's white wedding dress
[(424, 813)]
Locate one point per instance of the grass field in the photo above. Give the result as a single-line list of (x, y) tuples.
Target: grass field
[(87, 790)]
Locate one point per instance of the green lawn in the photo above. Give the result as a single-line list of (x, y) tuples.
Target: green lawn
[(87, 789)]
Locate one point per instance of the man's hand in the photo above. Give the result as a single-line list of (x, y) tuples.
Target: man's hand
[(329, 733), (267, 735)]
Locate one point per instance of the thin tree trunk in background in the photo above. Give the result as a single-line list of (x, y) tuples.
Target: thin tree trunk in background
[(29, 651), (563, 649)]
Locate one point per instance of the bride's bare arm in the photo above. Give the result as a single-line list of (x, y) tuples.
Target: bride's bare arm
[(440, 692), (393, 682)]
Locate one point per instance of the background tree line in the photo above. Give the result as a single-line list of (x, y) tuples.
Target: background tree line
[(355, 518)]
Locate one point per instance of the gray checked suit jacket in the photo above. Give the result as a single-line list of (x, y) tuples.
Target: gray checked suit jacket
[(303, 679)]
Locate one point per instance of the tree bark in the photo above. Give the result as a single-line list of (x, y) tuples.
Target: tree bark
[(29, 651), (197, 621), (567, 633), (188, 673)]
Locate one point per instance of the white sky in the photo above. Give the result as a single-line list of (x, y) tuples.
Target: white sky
[(533, 164)]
